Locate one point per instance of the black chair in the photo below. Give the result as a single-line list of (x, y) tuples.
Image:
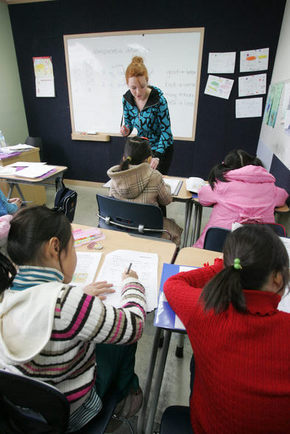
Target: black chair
[(30, 406), (37, 142), (215, 239), (277, 228), (176, 419), (122, 215)]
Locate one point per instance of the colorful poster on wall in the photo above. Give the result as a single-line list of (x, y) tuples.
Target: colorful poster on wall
[(286, 109), (218, 86), (44, 79), (221, 63), (272, 104), (252, 85), (254, 60)]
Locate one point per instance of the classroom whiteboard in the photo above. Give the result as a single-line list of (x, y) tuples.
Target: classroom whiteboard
[(96, 65)]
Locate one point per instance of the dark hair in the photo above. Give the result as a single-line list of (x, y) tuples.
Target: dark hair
[(233, 160), (7, 273), (260, 252), (30, 228), (136, 150)]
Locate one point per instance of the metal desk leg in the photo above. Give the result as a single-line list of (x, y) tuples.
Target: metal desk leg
[(158, 382), (188, 213), (194, 225), (200, 208), (11, 186), (141, 416)]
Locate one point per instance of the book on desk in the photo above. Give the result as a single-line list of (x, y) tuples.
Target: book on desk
[(165, 317)]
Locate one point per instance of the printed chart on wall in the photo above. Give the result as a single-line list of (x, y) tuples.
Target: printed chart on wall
[(96, 65)]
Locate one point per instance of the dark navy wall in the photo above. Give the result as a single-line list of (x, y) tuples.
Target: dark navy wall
[(38, 30)]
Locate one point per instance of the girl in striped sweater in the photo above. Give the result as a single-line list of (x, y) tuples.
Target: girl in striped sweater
[(59, 334)]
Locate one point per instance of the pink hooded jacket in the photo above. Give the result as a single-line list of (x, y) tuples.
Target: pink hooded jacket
[(250, 196)]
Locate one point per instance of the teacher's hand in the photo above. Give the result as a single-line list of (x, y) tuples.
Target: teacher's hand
[(154, 163), (125, 131)]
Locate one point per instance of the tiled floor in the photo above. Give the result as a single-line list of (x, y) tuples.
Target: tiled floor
[(175, 387)]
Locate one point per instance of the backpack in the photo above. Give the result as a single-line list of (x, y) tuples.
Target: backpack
[(65, 199)]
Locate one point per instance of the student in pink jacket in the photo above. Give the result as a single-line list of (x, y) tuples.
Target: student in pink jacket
[(240, 190)]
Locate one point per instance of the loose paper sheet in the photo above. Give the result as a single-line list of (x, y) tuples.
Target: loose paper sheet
[(254, 60), (272, 105), (249, 107), (145, 265), (219, 86), (87, 264), (252, 85), (222, 63)]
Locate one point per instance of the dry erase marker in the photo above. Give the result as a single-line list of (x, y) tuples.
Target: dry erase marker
[(129, 268)]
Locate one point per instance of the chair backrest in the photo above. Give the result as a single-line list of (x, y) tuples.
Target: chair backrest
[(278, 229), (215, 239), (37, 142), (30, 406), (128, 216)]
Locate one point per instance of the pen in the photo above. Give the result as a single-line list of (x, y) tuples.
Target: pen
[(129, 268)]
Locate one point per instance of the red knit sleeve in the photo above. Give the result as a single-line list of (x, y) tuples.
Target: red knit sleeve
[(183, 289)]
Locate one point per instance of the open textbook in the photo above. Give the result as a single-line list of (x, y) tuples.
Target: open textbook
[(145, 265)]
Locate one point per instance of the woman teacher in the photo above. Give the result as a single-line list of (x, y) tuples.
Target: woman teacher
[(146, 109)]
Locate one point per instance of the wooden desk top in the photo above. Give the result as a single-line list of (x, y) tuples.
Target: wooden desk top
[(116, 240), (19, 179), (194, 257)]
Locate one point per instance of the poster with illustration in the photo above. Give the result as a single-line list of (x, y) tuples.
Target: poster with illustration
[(254, 60), (218, 86)]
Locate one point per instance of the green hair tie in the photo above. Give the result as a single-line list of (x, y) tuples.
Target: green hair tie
[(237, 264)]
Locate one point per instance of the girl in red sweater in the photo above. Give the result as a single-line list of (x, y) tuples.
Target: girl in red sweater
[(239, 338)]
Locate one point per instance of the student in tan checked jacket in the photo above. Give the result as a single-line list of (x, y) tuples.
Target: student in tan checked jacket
[(135, 181)]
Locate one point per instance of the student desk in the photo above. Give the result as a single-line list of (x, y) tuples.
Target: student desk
[(187, 256), (116, 240), (47, 179), (35, 193), (184, 196)]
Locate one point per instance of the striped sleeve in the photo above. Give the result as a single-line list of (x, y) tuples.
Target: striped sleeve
[(87, 318)]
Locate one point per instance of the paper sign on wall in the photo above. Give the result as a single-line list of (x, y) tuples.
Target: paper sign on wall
[(44, 79), (252, 85), (254, 60), (249, 107), (219, 86), (223, 63)]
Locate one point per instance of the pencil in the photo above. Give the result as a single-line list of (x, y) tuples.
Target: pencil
[(129, 268)]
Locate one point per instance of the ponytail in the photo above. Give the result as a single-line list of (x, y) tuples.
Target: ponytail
[(136, 150), (233, 160), (224, 289), (251, 254), (7, 273), (124, 164)]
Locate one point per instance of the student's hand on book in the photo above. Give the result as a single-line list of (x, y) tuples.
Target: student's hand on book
[(99, 289), (154, 163), (131, 273)]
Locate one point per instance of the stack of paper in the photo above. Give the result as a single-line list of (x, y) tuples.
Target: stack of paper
[(35, 171), (145, 265)]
